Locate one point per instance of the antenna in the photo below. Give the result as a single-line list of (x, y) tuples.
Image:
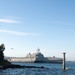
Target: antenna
[(38, 50)]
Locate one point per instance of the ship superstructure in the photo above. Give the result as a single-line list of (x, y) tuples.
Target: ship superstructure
[(37, 57)]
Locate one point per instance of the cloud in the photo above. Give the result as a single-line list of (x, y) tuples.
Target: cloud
[(13, 17), (18, 33), (8, 21)]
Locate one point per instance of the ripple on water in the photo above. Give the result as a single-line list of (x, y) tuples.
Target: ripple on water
[(36, 71)]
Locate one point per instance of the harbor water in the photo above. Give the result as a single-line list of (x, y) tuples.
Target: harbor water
[(50, 69)]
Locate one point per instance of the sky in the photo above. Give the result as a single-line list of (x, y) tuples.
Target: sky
[(26, 25)]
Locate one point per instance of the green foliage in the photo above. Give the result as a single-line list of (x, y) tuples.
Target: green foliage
[(2, 48)]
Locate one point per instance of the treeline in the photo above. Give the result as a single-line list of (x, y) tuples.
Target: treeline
[(2, 48)]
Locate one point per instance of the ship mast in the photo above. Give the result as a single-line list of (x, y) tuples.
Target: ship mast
[(38, 50)]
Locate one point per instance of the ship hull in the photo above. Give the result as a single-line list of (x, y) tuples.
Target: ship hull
[(32, 60)]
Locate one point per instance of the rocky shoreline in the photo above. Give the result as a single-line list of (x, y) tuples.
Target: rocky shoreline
[(6, 65), (18, 66)]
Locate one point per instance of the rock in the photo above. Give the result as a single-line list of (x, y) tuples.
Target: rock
[(18, 66)]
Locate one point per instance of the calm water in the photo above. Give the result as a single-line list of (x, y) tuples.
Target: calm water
[(51, 69)]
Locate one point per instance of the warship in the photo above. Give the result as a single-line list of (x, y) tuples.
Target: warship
[(37, 57)]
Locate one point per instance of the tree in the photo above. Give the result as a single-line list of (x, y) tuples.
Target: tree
[(2, 48)]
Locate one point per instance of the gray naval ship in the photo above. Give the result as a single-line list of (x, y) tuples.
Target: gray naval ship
[(37, 57)]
